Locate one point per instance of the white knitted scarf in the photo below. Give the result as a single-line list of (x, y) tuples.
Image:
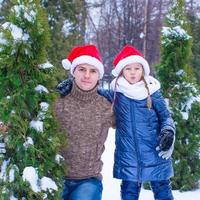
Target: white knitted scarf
[(136, 91)]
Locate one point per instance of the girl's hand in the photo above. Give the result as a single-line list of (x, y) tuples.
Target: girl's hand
[(166, 144), (166, 139)]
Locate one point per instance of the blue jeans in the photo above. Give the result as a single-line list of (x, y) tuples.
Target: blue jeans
[(162, 190), (84, 189)]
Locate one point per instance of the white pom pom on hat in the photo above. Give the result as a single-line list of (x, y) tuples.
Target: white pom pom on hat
[(66, 64), (86, 54)]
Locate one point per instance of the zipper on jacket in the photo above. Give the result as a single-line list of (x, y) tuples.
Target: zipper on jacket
[(139, 169)]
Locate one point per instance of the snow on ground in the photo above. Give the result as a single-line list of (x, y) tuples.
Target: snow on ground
[(111, 186)]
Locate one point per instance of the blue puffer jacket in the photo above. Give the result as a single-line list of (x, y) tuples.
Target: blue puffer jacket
[(137, 131)]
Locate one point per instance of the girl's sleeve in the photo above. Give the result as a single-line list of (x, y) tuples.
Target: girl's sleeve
[(165, 120)]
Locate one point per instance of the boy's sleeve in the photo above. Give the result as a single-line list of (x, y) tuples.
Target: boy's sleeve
[(108, 94), (165, 120)]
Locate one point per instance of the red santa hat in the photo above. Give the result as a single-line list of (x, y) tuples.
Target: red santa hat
[(86, 54), (128, 55)]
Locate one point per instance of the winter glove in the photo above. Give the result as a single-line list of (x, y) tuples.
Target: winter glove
[(166, 154), (166, 139), (65, 87), (166, 144)]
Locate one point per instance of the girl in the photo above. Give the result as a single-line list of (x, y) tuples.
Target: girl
[(144, 128)]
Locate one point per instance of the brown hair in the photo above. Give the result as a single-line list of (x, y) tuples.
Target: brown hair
[(149, 102)]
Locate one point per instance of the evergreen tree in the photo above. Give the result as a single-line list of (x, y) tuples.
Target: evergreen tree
[(31, 168), (177, 79), (65, 20), (195, 27), (5, 5)]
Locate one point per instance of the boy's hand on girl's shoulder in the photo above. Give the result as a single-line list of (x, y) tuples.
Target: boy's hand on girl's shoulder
[(65, 87)]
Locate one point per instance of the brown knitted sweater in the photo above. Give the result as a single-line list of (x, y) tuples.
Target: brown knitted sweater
[(85, 117)]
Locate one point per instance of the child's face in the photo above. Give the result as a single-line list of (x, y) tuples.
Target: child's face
[(133, 72)]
